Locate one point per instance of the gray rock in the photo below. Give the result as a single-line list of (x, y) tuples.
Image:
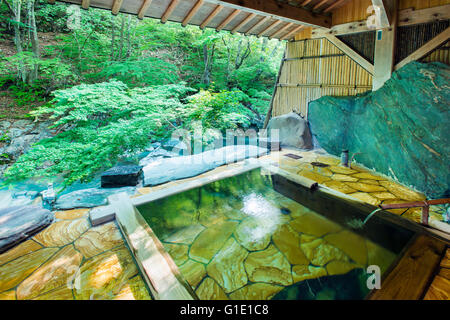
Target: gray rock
[(5, 125), (121, 176), (20, 222), (156, 155), (293, 131), (88, 198), (22, 123), (165, 170)]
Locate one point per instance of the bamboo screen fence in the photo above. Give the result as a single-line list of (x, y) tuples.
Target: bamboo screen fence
[(314, 68)]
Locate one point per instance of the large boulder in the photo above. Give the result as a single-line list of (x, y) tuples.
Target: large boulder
[(165, 170), (293, 131), (20, 222), (401, 129)]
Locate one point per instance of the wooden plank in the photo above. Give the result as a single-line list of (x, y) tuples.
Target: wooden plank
[(259, 23), (292, 33), (85, 4), (439, 289), (385, 51), (320, 4), (281, 30), (145, 5), (228, 19), (334, 5), (169, 10), (277, 10), (157, 267), (410, 277), (211, 16), (243, 22), (116, 7), (270, 27), (192, 12), (351, 53), (426, 48)]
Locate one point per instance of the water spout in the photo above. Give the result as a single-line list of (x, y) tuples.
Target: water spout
[(371, 215)]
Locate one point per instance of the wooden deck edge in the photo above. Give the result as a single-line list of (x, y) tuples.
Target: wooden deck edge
[(157, 267), (411, 277)]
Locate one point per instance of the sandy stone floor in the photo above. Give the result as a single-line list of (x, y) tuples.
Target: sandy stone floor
[(73, 260)]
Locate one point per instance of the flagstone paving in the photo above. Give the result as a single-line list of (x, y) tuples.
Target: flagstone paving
[(73, 260)]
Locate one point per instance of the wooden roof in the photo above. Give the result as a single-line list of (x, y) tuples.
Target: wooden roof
[(267, 18)]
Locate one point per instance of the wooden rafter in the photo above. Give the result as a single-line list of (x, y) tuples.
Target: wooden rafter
[(143, 9), (169, 10), (211, 16), (191, 13), (334, 5), (279, 11), (351, 53), (426, 48), (281, 30), (306, 2), (228, 19), (259, 23), (292, 33), (243, 22), (320, 4), (272, 25), (116, 7), (85, 4)]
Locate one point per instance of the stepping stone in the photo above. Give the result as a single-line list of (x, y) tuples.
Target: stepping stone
[(88, 198), (121, 176), (19, 223)]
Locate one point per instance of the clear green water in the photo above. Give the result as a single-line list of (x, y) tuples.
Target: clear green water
[(239, 238)]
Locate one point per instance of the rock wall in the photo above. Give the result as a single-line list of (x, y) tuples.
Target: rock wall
[(16, 137), (401, 130)]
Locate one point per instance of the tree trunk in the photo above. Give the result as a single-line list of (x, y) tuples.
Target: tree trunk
[(34, 41), (113, 36)]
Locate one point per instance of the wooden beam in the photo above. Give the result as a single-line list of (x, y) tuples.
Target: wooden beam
[(259, 23), (157, 267), (306, 2), (383, 9), (191, 13), (143, 9), (211, 16), (116, 7), (351, 53), (385, 49), (292, 33), (277, 10), (273, 25), (281, 30), (85, 4), (169, 11), (51, 1), (243, 22), (228, 19), (434, 43), (409, 17)]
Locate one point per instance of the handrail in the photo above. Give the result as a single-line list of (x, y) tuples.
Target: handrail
[(425, 205)]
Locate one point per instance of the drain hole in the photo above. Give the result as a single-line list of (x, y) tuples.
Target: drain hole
[(285, 210), (319, 164), (293, 156)]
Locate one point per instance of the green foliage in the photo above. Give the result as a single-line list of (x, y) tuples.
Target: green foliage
[(148, 71), (105, 120), (220, 111)]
